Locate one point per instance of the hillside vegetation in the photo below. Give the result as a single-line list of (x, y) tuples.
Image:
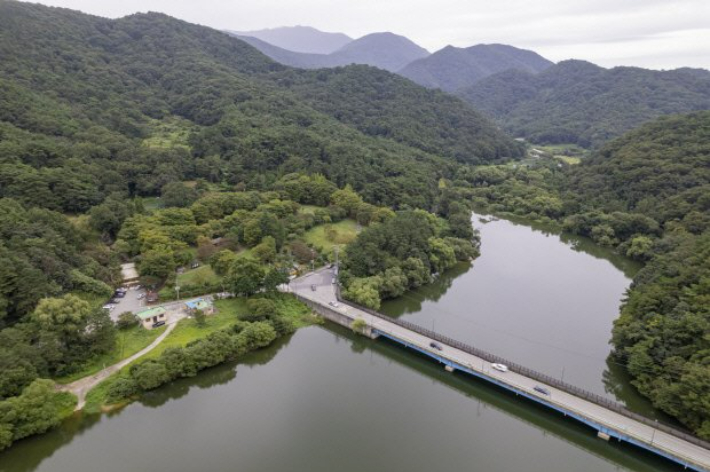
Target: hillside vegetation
[(578, 102)]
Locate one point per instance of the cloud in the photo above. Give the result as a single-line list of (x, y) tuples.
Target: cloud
[(648, 33)]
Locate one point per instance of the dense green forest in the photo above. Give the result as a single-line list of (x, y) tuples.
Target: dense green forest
[(647, 194), (99, 118), (579, 102)]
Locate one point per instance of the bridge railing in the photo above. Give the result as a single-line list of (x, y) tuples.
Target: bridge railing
[(535, 375)]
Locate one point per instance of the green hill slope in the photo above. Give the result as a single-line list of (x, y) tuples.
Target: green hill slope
[(578, 102)]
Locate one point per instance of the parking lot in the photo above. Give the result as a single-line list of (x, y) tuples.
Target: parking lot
[(130, 302)]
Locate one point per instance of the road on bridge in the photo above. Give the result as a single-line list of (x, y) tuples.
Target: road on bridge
[(318, 287)]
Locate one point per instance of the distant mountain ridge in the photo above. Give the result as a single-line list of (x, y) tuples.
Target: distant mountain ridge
[(453, 68), (302, 39), (386, 51), (579, 102)]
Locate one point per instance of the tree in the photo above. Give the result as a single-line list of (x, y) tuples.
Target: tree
[(158, 261), (200, 317), (126, 320), (245, 277), (177, 194), (258, 335), (365, 291), (266, 250), (358, 325), (149, 374), (275, 277)]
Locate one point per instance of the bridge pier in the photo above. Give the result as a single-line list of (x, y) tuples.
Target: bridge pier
[(603, 436), (449, 368)]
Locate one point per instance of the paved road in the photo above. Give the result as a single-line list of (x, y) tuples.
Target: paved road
[(324, 294)]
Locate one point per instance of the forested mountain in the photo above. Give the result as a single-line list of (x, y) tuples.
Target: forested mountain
[(383, 50), (579, 102), (452, 68), (661, 170), (304, 39), (92, 108)]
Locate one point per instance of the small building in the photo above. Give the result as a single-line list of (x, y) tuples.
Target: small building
[(202, 304), (153, 317), (151, 297)]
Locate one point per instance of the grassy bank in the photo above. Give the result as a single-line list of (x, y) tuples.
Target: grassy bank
[(188, 331), (128, 342)]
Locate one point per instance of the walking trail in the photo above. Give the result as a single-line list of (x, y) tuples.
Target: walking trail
[(82, 386)]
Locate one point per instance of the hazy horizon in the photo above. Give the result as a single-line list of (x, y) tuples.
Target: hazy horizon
[(654, 34)]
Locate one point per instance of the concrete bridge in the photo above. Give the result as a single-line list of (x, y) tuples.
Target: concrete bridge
[(610, 419)]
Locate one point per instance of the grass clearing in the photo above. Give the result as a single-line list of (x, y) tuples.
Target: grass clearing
[(326, 236), (128, 342), (199, 276)]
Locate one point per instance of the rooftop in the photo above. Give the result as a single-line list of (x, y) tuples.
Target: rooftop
[(198, 304), (151, 312)]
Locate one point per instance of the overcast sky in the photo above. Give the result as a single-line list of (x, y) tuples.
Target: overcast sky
[(659, 34)]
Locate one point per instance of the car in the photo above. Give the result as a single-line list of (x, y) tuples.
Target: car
[(500, 367), (334, 281), (542, 390), (334, 304), (313, 287), (140, 296), (109, 306), (158, 324), (436, 346)]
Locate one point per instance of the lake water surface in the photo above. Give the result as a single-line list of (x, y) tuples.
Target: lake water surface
[(325, 400)]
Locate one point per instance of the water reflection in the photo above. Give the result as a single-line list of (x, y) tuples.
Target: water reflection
[(536, 296)]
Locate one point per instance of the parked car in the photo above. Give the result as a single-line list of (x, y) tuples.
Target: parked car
[(313, 287), (140, 296), (436, 346), (335, 281), (109, 306), (334, 304), (158, 324), (542, 390), (500, 367)]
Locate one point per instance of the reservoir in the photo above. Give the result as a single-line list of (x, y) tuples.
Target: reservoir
[(325, 399)]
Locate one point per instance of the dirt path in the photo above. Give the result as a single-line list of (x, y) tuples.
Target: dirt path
[(82, 386)]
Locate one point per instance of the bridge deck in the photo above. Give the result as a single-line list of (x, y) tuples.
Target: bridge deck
[(317, 289)]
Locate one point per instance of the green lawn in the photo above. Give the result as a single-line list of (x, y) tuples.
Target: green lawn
[(128, 342), (202, 275), (188, 330), (344, 233)]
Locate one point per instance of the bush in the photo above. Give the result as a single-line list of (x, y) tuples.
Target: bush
[(126, 320)]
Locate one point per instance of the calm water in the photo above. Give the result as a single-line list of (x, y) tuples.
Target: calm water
[(542, 299), (324, 400)]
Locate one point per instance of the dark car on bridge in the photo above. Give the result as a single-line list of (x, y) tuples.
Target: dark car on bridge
[(542, 390), (436, 346)]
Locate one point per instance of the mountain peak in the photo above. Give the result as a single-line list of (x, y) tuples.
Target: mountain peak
[(302, 39), (453, 68)]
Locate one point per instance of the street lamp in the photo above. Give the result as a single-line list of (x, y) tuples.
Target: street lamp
[(177, 289)]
